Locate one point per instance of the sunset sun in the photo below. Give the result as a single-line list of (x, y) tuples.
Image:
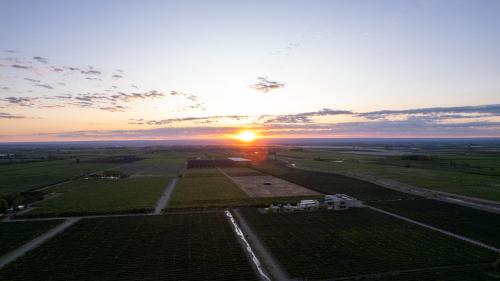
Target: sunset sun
[(246, 136)]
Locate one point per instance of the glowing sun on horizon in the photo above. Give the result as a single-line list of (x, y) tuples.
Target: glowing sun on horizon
[(246, 136)]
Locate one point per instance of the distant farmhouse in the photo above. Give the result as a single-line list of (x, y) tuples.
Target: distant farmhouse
[(228, 162)]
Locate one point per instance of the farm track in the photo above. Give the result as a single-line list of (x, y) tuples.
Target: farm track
[(266, 256), (451, 234), (10, 257), (165, 197), (476, 203)]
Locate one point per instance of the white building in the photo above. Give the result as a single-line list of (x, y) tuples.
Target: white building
[(308, 204), (341, 202)]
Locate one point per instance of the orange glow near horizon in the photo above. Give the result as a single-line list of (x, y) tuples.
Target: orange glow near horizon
[(246, 136)]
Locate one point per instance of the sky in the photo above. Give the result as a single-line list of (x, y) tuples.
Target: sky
[(108, 70)]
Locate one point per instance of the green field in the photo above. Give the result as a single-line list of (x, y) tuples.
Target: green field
[(25, 176), (241, 172), (330, 183), (153, 167), (206, 188), (169, 247), (469, 174), (479, 225), (15, 234), (325, 244), (95, 196)]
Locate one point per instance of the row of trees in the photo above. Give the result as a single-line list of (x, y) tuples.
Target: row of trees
[(9, 201)]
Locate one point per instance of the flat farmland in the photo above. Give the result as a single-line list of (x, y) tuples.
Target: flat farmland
[(269, 186), (204, 172), (330, 183), (321, 245), (95, 196), (479, 225), (475, 175), (15, 234), (153, 167), (241, 172), (25, 176), (206, 188), (168, 247)]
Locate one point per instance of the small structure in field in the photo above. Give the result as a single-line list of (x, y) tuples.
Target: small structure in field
[(335, 202), (341, 202), (308, 204)]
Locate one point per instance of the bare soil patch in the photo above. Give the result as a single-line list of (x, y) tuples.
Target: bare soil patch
[(269, 186)]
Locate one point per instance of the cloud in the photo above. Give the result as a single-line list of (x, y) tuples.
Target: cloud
[(93, 78), (46, 86), (32, 80), (491, 109), (5, 115), (72, 68), (304, 117), (10, 51), (56, 69), (204, 119), (40, 59), (21, 101), (19, 66), (179, 132), (117, 76), (90, 72), (265, 85), (115, 108), (5, 88)]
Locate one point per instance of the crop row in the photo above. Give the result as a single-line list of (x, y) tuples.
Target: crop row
[(15, 234), (319, 245), (96, 196), (170, 247), (480, 225)]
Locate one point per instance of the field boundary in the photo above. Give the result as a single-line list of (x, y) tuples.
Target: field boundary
[(12, 256), (263, 275), (271, 263), (451, 234)]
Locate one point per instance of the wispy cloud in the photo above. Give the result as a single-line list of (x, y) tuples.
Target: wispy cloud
[(32, 80), (265, 85), (19, 66), (21, 101), (90, 72), (41, 59), (304, 117), (204, 119), (5, 115), (491, 109), (46, 86)]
